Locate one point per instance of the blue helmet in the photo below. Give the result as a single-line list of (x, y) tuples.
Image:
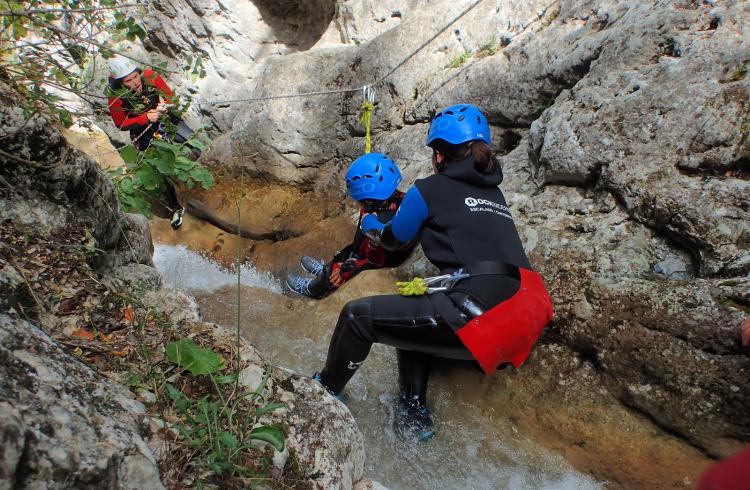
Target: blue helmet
[(459, 124), (372, 176)]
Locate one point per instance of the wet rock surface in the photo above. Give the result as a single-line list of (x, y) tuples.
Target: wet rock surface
[(622, 128)]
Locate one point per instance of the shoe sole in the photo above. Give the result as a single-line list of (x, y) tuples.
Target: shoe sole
[(425, 435), (177, 219), (290, 288)]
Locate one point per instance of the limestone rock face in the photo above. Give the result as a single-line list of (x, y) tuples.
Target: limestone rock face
[(235, 39), (322, 432), (667, 343), (358, 21), (62, 424), (659, 124), (49, 184), (293, 139)]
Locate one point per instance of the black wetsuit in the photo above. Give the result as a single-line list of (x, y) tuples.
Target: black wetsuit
[(462, 219)]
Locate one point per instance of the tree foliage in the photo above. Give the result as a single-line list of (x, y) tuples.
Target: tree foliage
[(49, 50), (49, 47)]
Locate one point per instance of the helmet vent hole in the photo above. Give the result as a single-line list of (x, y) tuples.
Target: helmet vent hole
[(391, 169), (377, 169), (356, 177), (461, 117), (449, 113), (463, 109), (479, 120), (380, 179)]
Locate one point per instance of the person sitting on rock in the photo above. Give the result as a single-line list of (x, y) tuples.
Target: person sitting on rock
[(137, 100), (372, 180)]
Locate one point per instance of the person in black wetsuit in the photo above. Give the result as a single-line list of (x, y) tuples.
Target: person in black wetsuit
[(372, 180), (465, 228)]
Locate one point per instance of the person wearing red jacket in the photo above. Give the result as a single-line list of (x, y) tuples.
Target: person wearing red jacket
[(372, 180), (137, 100)]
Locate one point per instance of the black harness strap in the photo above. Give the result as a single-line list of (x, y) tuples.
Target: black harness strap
[(487, 268), (457, 307)]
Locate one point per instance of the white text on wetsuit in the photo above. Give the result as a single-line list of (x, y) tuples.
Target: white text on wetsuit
[(487, 206)]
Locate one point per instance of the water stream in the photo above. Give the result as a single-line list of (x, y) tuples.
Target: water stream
[(477, 446)]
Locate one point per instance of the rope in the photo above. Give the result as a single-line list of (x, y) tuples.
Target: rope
[(368, 94), (352, 89)]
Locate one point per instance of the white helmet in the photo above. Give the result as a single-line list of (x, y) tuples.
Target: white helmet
[(120, 66)]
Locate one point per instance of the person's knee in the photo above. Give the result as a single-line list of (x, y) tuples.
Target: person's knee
[(355, 316)]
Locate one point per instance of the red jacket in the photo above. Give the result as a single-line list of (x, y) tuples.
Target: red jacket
[(123, 117)]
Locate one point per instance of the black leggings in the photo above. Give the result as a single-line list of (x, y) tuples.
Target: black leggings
[(414, 326), (411, 324)]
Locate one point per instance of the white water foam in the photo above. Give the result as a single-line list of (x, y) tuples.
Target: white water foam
[(185, 269)]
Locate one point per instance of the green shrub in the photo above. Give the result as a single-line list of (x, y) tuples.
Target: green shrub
[(459, 59)]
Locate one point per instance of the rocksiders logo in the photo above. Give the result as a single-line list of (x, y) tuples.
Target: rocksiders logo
[(471, 202)]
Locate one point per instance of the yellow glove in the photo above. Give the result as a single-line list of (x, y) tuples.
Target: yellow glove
[(415, 287)]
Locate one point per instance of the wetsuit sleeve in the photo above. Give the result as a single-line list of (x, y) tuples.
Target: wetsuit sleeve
[(120, 116), (404, 227), (157, 81)]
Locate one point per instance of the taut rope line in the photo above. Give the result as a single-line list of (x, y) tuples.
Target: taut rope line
[(345, 90)]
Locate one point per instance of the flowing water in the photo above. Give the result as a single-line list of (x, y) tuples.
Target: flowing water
[(477, 446)]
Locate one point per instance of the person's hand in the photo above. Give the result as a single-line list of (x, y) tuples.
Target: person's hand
[(745, 332), (370, 222), (336, 278), (153, 115), (346, 266)]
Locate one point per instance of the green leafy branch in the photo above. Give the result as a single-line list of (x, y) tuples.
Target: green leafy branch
[(148, 173), (46, 46)]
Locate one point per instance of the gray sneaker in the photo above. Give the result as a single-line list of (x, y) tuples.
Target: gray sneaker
[(299, 284), (311, 265)]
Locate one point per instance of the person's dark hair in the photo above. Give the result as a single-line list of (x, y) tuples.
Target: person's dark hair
[(114, 83), (484, 161)]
